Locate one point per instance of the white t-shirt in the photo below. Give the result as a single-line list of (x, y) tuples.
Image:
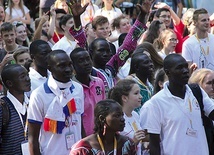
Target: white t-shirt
[(129, 129), (65, 44), (89, 13), (17, 13), (200, 53), (124, 70), (170, 117), (112, 14), (39, 102), (36, 79)]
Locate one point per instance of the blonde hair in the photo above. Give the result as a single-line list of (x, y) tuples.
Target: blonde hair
[(57, 2), (188, 16), (199, 75), (158, 43), (21, 5)]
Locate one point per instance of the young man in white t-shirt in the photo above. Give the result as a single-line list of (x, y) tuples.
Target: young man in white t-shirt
[(198, 48), (173, 118), (56, 108)]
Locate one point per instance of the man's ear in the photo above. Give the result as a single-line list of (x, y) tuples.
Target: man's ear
[(166, 71), (9, 83)]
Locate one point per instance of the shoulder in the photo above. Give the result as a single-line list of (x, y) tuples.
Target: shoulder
[(25, 9)]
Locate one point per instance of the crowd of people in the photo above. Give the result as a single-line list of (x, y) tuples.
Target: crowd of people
[(107, 78)]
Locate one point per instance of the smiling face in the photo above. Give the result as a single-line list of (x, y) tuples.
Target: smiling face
[(102, 31), (21, 33), (9, 37), (23, 58), (2, 13), (165, 17), (203, 22), (124, 25)]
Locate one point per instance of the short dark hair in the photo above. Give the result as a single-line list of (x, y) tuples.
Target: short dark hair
[(169, 60), (52, 54), (99, 20), (158, 12), (75, 51), (6, 26), (64, 19), (34, 46), (197, 12), (94, 43), (8, 73)]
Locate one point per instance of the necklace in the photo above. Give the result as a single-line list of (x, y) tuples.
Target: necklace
[(207, 43), (102, 146)]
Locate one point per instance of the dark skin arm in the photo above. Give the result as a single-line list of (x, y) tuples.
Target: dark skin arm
[(76, 9), (154, 144), (82, 129), (211, 115), (144, 10), (33, 138)]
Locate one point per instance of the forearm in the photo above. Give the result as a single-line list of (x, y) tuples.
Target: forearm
[(80, 36), (128, 46), (38, 32), (154, 144), (51, 28), (180, 9)]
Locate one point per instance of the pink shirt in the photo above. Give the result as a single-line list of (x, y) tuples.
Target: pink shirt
[(92, 94)]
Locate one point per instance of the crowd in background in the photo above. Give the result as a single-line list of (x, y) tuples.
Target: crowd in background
[(107, 77)]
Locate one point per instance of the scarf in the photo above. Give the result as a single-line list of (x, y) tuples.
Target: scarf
[(62, 106)]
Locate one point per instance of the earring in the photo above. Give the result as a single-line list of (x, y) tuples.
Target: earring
[(104, 129)]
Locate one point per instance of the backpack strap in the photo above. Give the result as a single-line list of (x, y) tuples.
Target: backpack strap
[(196, 90), (5, 116)]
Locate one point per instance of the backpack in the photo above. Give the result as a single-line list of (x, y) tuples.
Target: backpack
[(5, 115), (207, 122)]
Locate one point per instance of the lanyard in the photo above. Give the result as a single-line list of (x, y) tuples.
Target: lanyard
[(202, 49), (102, 146), (25, 130), (57, 35)]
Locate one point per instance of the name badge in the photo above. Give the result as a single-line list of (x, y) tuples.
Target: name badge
[(191, 132), (25, 148), (69, 139)]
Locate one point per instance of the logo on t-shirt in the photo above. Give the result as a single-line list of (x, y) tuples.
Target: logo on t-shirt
[(98, 90)]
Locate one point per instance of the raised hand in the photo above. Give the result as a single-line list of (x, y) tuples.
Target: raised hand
[(76, 8), (145, 6)]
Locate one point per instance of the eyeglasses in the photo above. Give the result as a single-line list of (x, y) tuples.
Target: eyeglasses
[(165, 16), (173, 40)]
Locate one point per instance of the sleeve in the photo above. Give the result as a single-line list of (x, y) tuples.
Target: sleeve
[(144, 116), (179, 28), (208, 103), (79, 35), (186, 51), (126, 48), (153, 120), (35, 112), (26, 10), (129, 148), (81, 148), (7, 11)]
